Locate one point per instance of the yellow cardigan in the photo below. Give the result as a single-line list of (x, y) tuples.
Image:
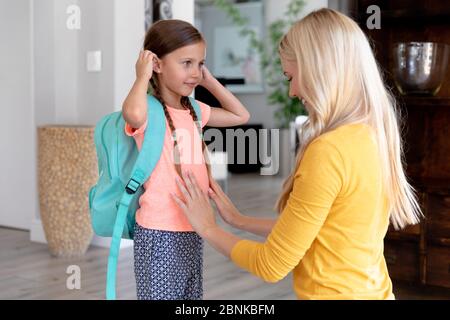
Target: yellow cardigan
[(332, 229)]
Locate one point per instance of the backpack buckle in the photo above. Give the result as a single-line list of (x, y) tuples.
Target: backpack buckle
[(132, 186)]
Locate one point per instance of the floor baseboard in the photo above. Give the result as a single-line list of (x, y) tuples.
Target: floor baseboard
[(37, 235)]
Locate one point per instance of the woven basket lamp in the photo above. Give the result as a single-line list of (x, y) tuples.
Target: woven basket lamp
[(67, 168)]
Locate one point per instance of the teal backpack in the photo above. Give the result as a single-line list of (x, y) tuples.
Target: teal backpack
[(123, 170)]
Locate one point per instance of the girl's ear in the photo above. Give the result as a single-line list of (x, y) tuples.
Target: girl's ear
[(156, 65)]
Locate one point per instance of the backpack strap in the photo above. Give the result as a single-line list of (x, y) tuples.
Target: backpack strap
[(151, 147), (148, 158), (198, 112)]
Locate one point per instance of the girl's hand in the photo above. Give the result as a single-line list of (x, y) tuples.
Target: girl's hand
[(232, 113), (207, 77), (195, 204), (226, 208), (144, 65)]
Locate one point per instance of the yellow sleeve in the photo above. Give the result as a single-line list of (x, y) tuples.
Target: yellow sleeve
[(317, 183)]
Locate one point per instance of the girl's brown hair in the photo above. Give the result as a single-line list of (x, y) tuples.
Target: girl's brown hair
[(164, 37)]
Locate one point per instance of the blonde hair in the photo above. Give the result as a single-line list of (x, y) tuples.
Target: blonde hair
[(341, 83)]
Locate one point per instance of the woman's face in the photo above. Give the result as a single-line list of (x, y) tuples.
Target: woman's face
[(290, 70)]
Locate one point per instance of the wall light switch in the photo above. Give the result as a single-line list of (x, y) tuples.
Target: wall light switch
[(94, 61)]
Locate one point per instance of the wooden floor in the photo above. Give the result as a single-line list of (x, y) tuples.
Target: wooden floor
[(27, 271)]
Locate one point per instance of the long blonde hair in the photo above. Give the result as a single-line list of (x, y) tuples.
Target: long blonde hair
[(341, 83)]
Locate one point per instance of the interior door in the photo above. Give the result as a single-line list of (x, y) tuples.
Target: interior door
[(17, 129)]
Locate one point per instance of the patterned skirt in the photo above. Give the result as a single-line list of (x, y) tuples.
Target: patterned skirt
[(168, 265)]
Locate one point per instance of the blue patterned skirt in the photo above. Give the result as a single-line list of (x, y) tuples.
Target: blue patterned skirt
[(168, 265)]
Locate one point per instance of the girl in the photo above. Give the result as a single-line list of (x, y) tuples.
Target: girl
[(168, 253), (348, 180)]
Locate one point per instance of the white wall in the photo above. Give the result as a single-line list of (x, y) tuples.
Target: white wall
[(17, 134), (65, 68), (96, 89), (256, 103), (183, 10), (43, 61), (129, 33), (66, 93)]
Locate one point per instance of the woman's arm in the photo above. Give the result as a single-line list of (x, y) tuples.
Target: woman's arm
[(221, 240), (231, 215), (258, 226), (232, 113), (207, 228), (134, 108), (312, 196)]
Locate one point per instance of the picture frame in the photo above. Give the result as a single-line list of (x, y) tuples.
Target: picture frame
[(235, 60)]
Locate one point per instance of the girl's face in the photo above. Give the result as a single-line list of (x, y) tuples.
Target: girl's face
[(181, 70), (290, 70)]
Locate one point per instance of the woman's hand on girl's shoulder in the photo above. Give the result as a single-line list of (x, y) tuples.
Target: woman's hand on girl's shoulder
[(144, 64)]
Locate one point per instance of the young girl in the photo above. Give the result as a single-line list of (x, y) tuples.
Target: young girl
[(348, 181), (168, 253)]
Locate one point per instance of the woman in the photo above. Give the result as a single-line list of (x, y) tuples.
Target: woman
[(348, 181)]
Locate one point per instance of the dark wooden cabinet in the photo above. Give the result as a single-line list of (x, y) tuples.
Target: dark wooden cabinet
[(402, 258), (419, 253)]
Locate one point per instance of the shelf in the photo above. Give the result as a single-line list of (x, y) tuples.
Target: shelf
[(439, 241), (431, 185), (412, 101), (398, 235), (408, 16), (416, 14)]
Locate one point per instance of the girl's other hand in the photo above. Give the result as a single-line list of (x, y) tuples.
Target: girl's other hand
[(144, 64)]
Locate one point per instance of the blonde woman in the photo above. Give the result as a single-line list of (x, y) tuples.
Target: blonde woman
[(348, 182)]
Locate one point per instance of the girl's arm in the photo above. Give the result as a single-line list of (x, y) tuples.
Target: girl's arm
[(134, 108), (231, 215), (232, 113)]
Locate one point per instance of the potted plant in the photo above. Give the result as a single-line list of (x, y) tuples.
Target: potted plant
[(287, 109)]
